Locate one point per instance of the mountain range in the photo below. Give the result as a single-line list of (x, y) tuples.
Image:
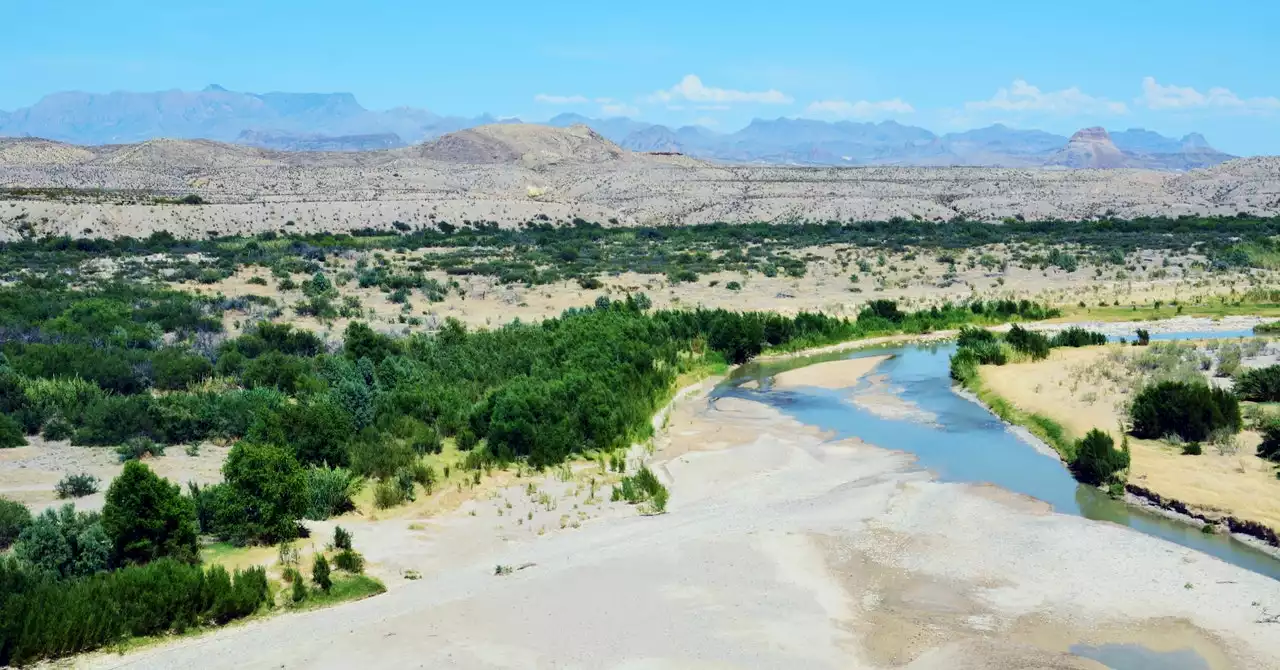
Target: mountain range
[(337, 122)]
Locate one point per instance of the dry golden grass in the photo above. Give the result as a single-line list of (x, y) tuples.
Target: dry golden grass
[(1241, 484)]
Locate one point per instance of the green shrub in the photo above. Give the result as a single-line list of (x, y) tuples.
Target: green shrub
[(425, 475), (1259, 384), (330, 491), (64, 543), (44, 619), (57, 429), (341, 538), (1192, 449), (11, 433), (373, 455), (76, 486), (643, 487), (147, 518), (387, 494), (1143, 338), (1190, 410), (1269, 448), (298, 591), (320, 573), (267, 494), (14, 516), (349, 560), (1028, 342), (138, 447), (1097, 461), (1077, 337)]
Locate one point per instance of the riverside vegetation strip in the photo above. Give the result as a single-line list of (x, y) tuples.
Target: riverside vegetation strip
[(1187, 453)]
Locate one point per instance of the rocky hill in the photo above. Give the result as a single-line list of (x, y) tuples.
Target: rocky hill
[(512, 174), (1089, 148)]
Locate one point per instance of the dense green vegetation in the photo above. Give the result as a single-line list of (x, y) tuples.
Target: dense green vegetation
[(1192, 411), (1259, 384), (1097, 461)]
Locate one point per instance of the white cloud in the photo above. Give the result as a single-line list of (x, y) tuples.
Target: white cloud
[(561, 99), (619, 109), (861, 109), (692, 89), (1158, 96), (1023, 97)]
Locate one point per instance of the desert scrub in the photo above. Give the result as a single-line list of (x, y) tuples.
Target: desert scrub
[(76, 486), (643, 488)]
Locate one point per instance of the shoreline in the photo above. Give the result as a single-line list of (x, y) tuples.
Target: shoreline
[(1252, 533)]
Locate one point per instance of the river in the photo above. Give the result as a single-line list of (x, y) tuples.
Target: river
[(967, 443)]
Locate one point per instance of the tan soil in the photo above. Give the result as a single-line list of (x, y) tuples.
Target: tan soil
[(1241, 484), (829, 375)]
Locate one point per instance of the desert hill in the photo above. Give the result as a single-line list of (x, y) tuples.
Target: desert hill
[(512, 173)]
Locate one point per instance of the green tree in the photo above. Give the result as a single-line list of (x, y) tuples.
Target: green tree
[(11, 433), (14, 517), (147, 518), (1097, 460), (320, 573), (268, 494)]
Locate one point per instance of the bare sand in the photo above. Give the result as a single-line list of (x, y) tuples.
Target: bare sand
[(782, 548), (1061, 388), (829, 375)]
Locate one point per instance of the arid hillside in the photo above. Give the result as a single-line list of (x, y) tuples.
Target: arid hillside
[(513, 173)]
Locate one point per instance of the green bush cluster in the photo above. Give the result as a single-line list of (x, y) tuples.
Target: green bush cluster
[(1189, 410), (42, 617), (1097, 461), (1259, 384), (642, 487)]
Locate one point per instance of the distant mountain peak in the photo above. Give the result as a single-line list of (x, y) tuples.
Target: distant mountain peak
[(214, 88)]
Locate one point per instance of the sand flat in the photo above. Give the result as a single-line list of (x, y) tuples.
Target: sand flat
[(829, 375)]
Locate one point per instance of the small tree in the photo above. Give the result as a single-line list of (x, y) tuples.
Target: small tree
[(320, 573), (341, 538), (147, 518), (268, 494), (14, 517), (1097, 460)]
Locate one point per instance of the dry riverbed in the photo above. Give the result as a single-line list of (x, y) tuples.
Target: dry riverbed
[(781, 548)]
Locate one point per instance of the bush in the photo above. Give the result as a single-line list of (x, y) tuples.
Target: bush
[(1192, 449), (42, 618), (14, 516), (1143, 338), (1269, 448), (11, 433), (57, 429), (349, 560), (1077, 337), (387, 494), (298, 592), (1097, 461), (1033, 344), (76, 486), (147, 518), (643, 487), (341, 538), (1259, 384), (267, 494), (1190, 410), (64, 543), (320, 573), (373, 455), (329, 491), (138, 447)]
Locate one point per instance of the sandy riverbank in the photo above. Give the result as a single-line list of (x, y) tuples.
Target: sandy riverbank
[(1062, 388), (782, 548), (829, 375)]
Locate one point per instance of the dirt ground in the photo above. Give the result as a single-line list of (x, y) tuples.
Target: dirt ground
[(1063, 388)]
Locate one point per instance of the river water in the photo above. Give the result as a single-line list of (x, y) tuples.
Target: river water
[(967, 443)]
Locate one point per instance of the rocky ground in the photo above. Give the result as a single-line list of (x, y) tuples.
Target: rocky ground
[(510, 174)]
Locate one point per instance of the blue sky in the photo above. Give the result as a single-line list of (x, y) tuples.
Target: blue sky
[(1174, 66)]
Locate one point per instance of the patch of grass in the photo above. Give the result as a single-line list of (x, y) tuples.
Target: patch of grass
[(1210, 309), (1040, 425), (344, 589)]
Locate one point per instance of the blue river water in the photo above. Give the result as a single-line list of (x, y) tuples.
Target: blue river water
[(970, 444)]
